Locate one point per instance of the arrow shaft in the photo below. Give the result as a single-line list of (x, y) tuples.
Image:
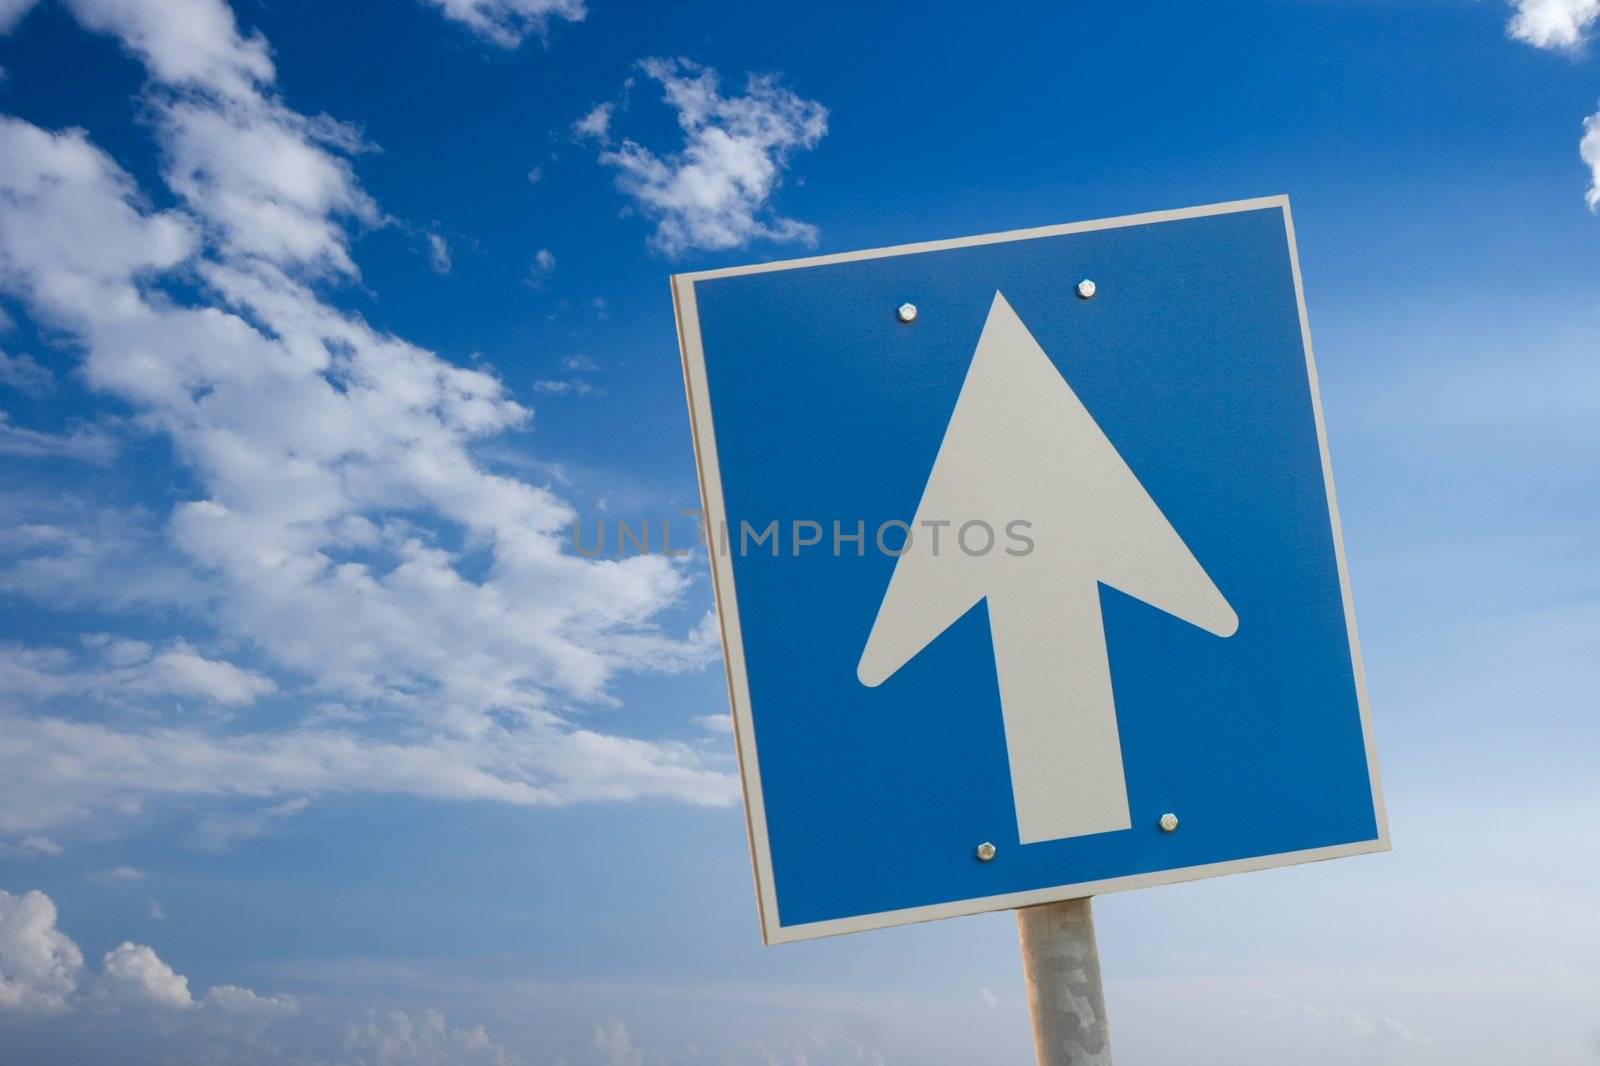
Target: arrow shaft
[(1060, 716)]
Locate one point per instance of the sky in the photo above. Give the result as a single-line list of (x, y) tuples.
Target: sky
[(321, 324)]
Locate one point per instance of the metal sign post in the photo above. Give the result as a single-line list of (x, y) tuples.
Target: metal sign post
[(1061, 964)]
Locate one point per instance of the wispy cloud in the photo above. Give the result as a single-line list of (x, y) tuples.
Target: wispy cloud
[(23, 373), (1375, 1027), (715, 191), (544, 264), (86, 444), (507, 22), (438, 253), (31, 846)]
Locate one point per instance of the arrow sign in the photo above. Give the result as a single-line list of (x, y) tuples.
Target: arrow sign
[(1021, 446)]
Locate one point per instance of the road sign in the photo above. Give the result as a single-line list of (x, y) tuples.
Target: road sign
[(1028, 567)]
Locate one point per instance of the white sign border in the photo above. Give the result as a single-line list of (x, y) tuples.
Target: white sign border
[(698, 392)]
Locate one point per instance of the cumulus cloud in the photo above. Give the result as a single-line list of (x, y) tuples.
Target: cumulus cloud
[(507, 22), (1562, 25), (396, 1039), (715, 192), (42, 972), (338, 522), (615, 1045), (1589, 151), (39, 964), (135, 974), (233, 999)]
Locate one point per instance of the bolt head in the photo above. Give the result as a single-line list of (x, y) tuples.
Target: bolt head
[(1169, 822), (906, 312), (1086, 289), (986, 852)]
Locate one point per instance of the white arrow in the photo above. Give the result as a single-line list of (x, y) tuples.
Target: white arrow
[(1022, 446)]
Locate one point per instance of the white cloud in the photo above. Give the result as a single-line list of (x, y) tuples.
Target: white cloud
[(84, 443), (125, 874), (507, 22), (720, 724), (596, 122), (31, 846), (39, 964), (715, 192), (126, 670), (438, 254), (137, 1002), (1557, 24), (11, 12), (134, 974), (236, 1000), (1350, 1023), (544, 264), (183, 672), (57, 771), (187, 43), (336, 489), (23, 373), (218, 831), (396, 1039), (40, 968), (615, 1045), (574, 384), (564, 386), (265, 179), (69, 551), (1564, 25), (1589, 151)]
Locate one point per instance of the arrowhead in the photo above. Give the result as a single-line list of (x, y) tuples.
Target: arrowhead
[(1022, 446)]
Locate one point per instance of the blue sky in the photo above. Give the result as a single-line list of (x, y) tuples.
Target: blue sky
[(322, 322)]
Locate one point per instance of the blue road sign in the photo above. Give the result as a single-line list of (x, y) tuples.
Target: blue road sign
[(1028, 567)]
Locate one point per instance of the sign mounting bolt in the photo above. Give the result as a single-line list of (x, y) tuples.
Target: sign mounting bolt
[(1169, 822), (986, 852), (906, 312), (1086, 289)]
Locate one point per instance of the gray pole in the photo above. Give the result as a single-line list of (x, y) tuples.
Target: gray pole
[(1062, 967)]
